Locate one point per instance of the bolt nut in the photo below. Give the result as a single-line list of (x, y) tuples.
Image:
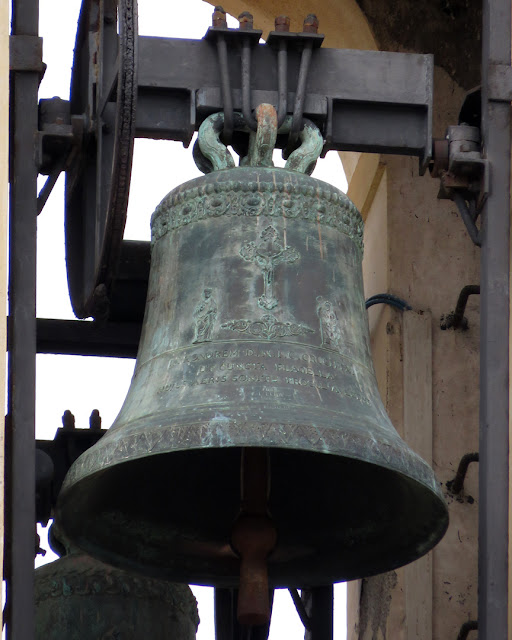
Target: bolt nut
[(68, 420), (245, 20), (95, 420), (310, 24), (282, 23), (219, 17)]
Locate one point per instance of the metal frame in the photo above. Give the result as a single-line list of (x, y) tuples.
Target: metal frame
[(495, 239), (20, 424), (493, 560), (360, 103)]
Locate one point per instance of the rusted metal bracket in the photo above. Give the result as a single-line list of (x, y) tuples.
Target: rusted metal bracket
[(456, 485), (463, 172), (26, 53), (456, 320)]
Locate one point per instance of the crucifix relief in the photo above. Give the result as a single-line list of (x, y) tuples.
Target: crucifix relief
[(267, 254)]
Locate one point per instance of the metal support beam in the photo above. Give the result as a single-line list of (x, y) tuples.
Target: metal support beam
[(318, 603), (358, 98), (83, 338), (20, 436), (494, 355)]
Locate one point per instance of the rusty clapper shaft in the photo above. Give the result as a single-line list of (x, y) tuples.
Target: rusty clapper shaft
[(254, 537)]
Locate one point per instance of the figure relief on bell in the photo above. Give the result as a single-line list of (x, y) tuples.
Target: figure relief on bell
[(329, 328), (205, 315), (267, 254)]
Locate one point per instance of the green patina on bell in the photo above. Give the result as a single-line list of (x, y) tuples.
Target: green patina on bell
[(80, 598), (255, 337)]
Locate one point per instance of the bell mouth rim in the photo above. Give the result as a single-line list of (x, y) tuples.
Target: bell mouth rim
[(230, 433), (207, 197), (434, 523), (390, 452)]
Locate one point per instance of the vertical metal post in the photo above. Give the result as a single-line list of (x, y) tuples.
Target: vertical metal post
[(494, 344), (20, 528), (319, 603)]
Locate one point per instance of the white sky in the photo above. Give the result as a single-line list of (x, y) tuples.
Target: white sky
[(82, 384)]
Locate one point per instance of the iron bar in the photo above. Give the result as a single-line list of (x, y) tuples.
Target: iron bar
[(470, 625), (468, 218), (494, 449), (300, 95), (282, 84), (246, 86), (80, 337), (227, 100), (318, 603), (456, 485), (20, 477), (458, 316), (111, 87), (299, 606), (45, 192)]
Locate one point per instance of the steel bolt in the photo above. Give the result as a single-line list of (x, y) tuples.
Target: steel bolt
[(219, 17), (282, 23), (310, 24), (246, 20), (68, 420), (95, 420)]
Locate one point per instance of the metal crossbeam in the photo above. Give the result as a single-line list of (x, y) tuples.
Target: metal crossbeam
[(369, 101)]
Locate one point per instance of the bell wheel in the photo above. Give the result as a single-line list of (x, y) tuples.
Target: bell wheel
[(103, 93)]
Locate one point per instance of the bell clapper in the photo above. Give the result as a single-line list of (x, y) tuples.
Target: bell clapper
[(253, 538)]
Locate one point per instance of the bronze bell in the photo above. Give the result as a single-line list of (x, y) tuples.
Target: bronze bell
[(255, 346), (80, 598)]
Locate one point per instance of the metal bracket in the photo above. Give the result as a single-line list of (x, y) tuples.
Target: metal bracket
[(470, 625), (463, 172), (456, 485), (58, 139), (55, 457), (456, 320), (26, 54)]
